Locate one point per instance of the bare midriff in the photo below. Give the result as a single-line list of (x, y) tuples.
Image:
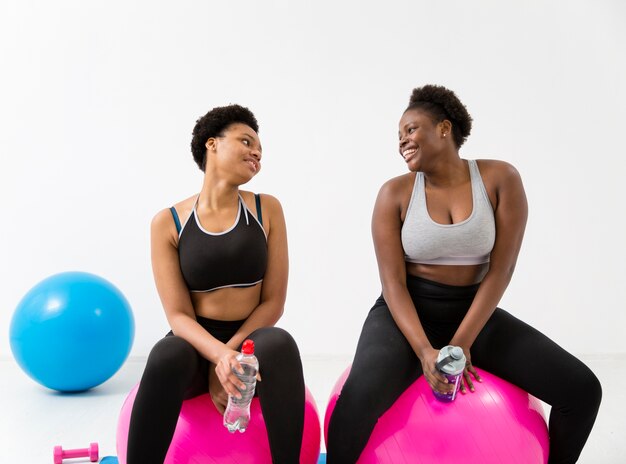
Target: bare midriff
[(227, 304), (449, 275)]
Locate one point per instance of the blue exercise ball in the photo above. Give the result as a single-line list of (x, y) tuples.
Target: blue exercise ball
[(72, 331)]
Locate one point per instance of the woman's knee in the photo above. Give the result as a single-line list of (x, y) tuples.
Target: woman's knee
[(272, 342), (172, 357), (586, 387), (277, 353)]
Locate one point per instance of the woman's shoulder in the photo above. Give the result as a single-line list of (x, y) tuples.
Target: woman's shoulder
[(398, 184), (496, 170), (267, 201), (495, 166), (498, 175), (165, 217), (271, 209)]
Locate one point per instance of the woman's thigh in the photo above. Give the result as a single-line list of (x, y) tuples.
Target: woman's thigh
[(520, 354), (175, 360)]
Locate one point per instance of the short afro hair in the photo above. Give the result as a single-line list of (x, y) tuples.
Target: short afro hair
[(441, 104), (214, 123)]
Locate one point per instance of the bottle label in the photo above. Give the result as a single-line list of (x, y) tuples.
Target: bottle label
[(451, 363)]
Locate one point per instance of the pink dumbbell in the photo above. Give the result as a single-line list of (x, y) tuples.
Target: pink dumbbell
[(91, 452)]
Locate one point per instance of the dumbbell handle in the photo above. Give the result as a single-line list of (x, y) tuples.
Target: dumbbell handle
[(91, 452)]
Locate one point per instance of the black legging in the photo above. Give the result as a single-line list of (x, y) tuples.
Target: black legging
[(385, 365), (176, 371)]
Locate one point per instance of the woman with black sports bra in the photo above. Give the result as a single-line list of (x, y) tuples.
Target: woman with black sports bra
[(220, 265), (447, 236)]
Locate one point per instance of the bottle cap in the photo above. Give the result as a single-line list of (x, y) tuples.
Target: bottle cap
[(451, 360), (248, 347), (456, 352)]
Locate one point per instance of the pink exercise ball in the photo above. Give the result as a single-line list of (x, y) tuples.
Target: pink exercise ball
[(200, 436), (498, 423)]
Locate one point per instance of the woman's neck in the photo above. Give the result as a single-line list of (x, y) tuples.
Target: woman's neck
[(217, 194), (447, 171)]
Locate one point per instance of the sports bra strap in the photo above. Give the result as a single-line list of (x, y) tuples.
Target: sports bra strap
[(259, 214), (176, 220)]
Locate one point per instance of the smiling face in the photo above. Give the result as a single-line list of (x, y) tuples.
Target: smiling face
[(421, 139), (237, 152)]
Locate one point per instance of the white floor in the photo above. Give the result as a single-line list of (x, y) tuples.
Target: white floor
[(34, 419)]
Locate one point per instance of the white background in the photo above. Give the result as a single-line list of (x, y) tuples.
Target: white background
[(98, 100)]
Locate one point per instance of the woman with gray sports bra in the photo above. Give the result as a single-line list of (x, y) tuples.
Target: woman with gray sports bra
[(447, 235), (220, 266)]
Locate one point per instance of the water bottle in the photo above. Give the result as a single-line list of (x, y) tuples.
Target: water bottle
[(451, 363), (237, 415)]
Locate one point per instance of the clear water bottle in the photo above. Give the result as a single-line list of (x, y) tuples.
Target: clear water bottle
[(237, 415), (451, 363)]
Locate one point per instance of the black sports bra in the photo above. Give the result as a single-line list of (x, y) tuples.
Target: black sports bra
[(236, 257)]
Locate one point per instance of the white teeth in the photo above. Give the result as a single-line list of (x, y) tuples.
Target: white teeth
[(410, 152)]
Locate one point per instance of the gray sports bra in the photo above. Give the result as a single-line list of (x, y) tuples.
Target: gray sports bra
[(467, 242)]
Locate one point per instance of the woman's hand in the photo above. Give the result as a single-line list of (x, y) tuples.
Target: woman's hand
[(225, 371), (469, 369), (223, 381), (435, 379), (217, 392)]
